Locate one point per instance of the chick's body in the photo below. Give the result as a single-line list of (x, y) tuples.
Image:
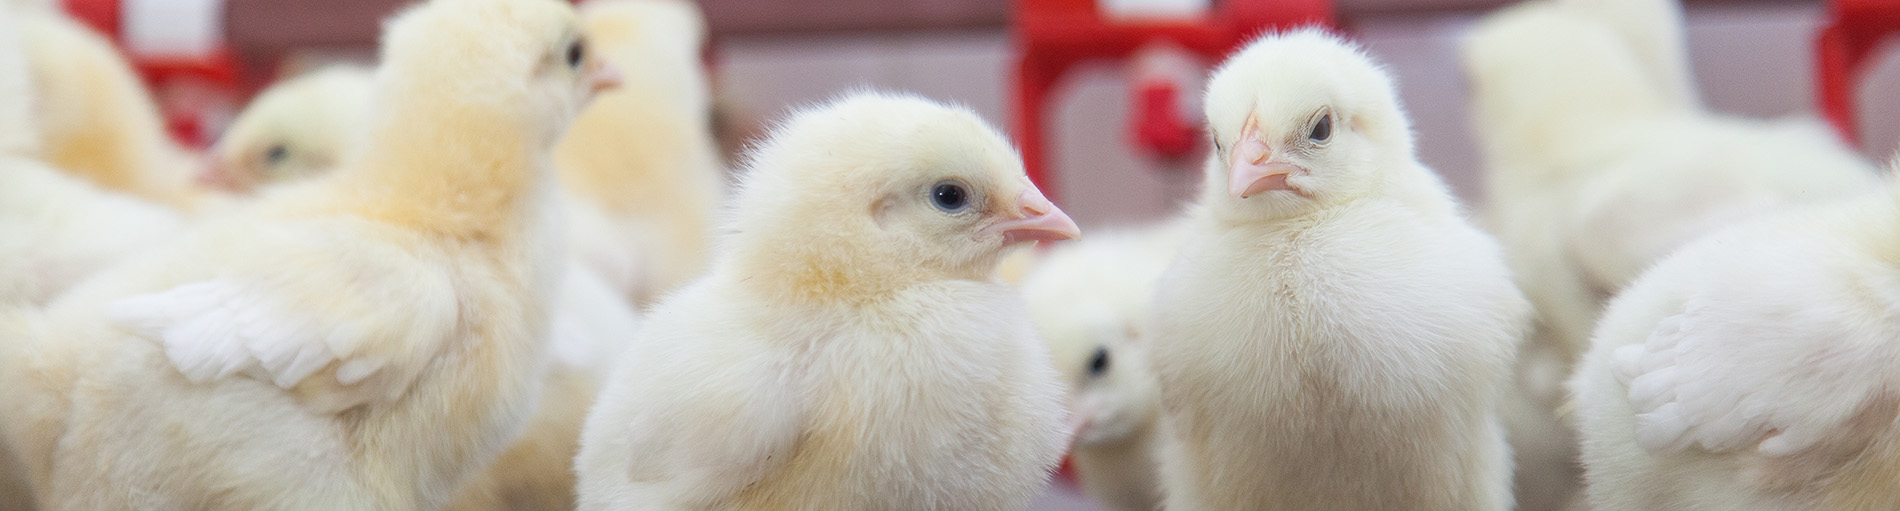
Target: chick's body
[(1333, 335), (366, 341), (847, 351), (1753, 369)]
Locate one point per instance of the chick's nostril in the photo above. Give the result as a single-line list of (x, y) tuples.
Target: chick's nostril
[(1033, 203)]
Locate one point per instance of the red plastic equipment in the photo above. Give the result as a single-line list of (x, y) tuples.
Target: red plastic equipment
[(1854, 28), (1051, 36)]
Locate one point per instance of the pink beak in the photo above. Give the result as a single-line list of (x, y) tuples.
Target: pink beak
[(1253, 173), (1037, 220), (605, 77)]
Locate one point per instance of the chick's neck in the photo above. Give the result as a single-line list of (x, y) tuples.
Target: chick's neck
[(462, 173)]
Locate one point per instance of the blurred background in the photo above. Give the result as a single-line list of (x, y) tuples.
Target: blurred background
[(1752, 57)]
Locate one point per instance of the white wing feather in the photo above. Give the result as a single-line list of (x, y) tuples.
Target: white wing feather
[(1779, 362), (372, 314)]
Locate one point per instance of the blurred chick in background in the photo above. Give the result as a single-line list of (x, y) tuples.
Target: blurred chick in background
[(640, 166), (1598, 164), (95, 117), (1754, 369), (848, 350), (1091, 301), (58, 228), (369, 340), (1334, 334), (295, 129)]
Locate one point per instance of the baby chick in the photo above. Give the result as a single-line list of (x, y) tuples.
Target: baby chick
[(1753, 369), (1334, 335), (95, 117), (1594, 173), (640, 167), (369, 340), (295, 129), (59, 229), (1092, 301), (847, 350)]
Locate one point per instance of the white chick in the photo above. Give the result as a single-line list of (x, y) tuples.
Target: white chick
[(1092, 302), (641, 168), (847, 351), (95, 117), (365, 341), (1595, 172), (1334, 334), (1753, 369), (295, 129)]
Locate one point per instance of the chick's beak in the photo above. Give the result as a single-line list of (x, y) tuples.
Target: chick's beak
[(1253, 170), (214, 173), (1037, 219), (604, 77)]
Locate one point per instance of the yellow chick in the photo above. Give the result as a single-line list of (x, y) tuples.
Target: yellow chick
[(95, 117), (369, 340), (640, 166), (293, 130), (848, 350), (1092, 301)]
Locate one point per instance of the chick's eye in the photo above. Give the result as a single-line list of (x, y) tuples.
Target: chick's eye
[(1322, 130), (949, 197), (1098, 364), (276, 154), (575, 53)]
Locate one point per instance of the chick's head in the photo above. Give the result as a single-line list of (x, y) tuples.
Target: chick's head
[(527, 60), (295, 129), (1300, 120), (873, 192)]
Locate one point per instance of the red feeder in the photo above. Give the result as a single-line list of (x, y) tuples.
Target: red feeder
[(1053, 35), (1854, 28)]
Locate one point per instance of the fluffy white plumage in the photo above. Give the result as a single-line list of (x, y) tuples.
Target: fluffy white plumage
[(1753, 369), (1336, 334), (1092, 302), (364, 341), (1599, 162), (847, 351)]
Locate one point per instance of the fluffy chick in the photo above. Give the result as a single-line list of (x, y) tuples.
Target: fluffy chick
[(294, 130), (1753, 369), (640, 167), (59, 229), (365, 341), (1337, 335), (95, 117), (1092, 302), (847, 350), (1594, 172)]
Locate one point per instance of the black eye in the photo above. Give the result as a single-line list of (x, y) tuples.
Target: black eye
[(949, 197), (1098, 365), (575, 53), (1322, 130), (276, 155)]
